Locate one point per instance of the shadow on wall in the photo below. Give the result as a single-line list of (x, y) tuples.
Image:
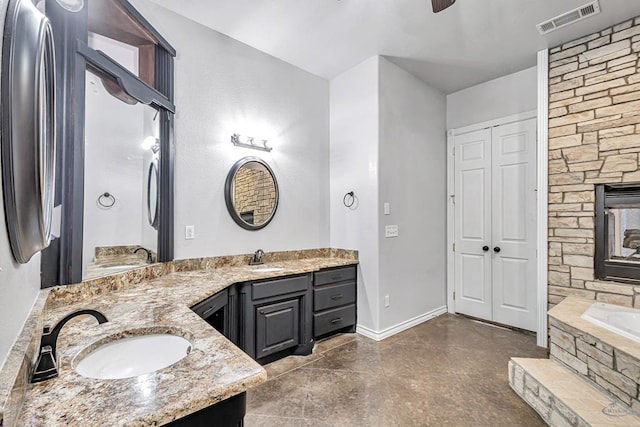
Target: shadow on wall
[(439, 74)]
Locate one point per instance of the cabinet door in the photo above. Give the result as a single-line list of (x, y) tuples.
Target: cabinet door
[(277, 327)]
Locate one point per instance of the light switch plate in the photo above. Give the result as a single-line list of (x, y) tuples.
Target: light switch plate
[(189, 232), (387, 210), (391, 231)]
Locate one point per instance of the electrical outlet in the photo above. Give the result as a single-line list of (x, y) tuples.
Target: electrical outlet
[(189, 232), (391, 231), (386, 301)]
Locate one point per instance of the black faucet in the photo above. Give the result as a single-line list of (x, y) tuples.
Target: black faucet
[(47, 365), (256, 259), (149, 257)]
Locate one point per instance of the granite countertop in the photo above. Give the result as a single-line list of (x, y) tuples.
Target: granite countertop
[(214, 370)]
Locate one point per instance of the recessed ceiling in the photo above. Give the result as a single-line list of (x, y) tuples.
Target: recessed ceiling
[(470, 42)]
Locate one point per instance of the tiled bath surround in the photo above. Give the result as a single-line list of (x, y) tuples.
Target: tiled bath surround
[(611, 368), (591, 378), (594, 137)]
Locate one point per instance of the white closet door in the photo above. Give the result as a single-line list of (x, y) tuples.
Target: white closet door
[(514, 224), (473, 224), (495, 224)]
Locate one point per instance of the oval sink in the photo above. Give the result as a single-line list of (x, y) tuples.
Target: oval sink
[(265, 269), (133, 356)]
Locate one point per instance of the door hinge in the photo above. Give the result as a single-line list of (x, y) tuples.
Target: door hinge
[(454, 247), (454, 151), (454, 295)]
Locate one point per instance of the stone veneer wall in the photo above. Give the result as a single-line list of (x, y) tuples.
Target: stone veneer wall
[(594, 137), (609, 368), (254, 190)]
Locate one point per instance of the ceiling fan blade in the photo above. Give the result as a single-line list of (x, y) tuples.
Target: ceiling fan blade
[(440, 5)]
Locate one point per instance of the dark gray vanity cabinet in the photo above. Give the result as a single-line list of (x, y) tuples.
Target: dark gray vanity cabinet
[(334, 300), (220, 311), (274, 317)]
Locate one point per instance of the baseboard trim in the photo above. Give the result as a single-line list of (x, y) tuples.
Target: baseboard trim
[(386, 333)]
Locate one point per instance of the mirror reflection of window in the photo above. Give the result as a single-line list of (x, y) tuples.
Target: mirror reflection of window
[(116, 163)]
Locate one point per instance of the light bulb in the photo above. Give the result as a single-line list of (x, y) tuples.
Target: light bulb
[(148, 142)]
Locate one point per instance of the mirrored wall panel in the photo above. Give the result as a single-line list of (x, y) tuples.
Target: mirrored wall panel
[(120, 175)]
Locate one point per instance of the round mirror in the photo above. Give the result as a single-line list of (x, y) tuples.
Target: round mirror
[(152, 194), (251, 193), (28, 116)]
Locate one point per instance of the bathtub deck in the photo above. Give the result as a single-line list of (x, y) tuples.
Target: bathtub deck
[(593, 359), (563, 398)]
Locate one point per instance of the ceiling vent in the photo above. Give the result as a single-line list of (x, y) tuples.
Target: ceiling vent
[(569, 18)]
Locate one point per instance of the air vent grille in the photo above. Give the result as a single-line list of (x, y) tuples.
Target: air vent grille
[(569, 17)]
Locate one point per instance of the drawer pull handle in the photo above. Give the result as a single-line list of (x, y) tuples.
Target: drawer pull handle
[(211, 309), (337, 320), (336, 297), (336, 277)]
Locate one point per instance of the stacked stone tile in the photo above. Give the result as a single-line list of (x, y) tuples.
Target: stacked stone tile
[(610, 368), (594, 137), (254, 190)]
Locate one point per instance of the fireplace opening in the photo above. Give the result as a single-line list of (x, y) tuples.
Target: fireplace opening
[(617, 221)]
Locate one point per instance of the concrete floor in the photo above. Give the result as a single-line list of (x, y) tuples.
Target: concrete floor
[(449, 371)]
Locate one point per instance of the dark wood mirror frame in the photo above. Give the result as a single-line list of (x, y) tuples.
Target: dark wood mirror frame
[(27, 151), (62, 262), (228, 193)]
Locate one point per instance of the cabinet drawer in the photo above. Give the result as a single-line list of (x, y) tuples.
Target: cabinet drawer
[(211, 304), (332, 320), (334, 296), (335, 275), (280, 287)]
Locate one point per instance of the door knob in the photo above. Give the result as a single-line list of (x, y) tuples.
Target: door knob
[(485, 248), (496, 249)]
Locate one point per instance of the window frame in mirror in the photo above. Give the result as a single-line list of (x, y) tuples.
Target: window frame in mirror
[(73, 57), (228, 193)]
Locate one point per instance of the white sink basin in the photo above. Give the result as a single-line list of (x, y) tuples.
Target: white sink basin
[(265, 269), (133, 356)]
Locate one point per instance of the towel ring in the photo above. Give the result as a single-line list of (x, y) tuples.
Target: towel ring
[(349, 199), (106, 200)]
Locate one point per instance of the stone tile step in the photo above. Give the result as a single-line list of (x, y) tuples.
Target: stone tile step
[(564, 399)]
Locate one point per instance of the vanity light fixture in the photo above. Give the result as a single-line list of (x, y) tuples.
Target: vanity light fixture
[(151, 143), (250, 142)]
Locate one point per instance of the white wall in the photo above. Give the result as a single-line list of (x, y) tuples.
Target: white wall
[(354, 167), (19, 283), (504, 96), (388, 145), (225, 87), (413, 181)]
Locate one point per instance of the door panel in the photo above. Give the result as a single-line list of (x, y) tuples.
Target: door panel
[(473, 223), (472, 267), (472, 226), (514, 224), (277, 327), (516, 270), (495, 197)]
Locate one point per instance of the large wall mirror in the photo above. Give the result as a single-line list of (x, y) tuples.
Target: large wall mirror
[(121, 151), (116, 194), (251, 193)]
